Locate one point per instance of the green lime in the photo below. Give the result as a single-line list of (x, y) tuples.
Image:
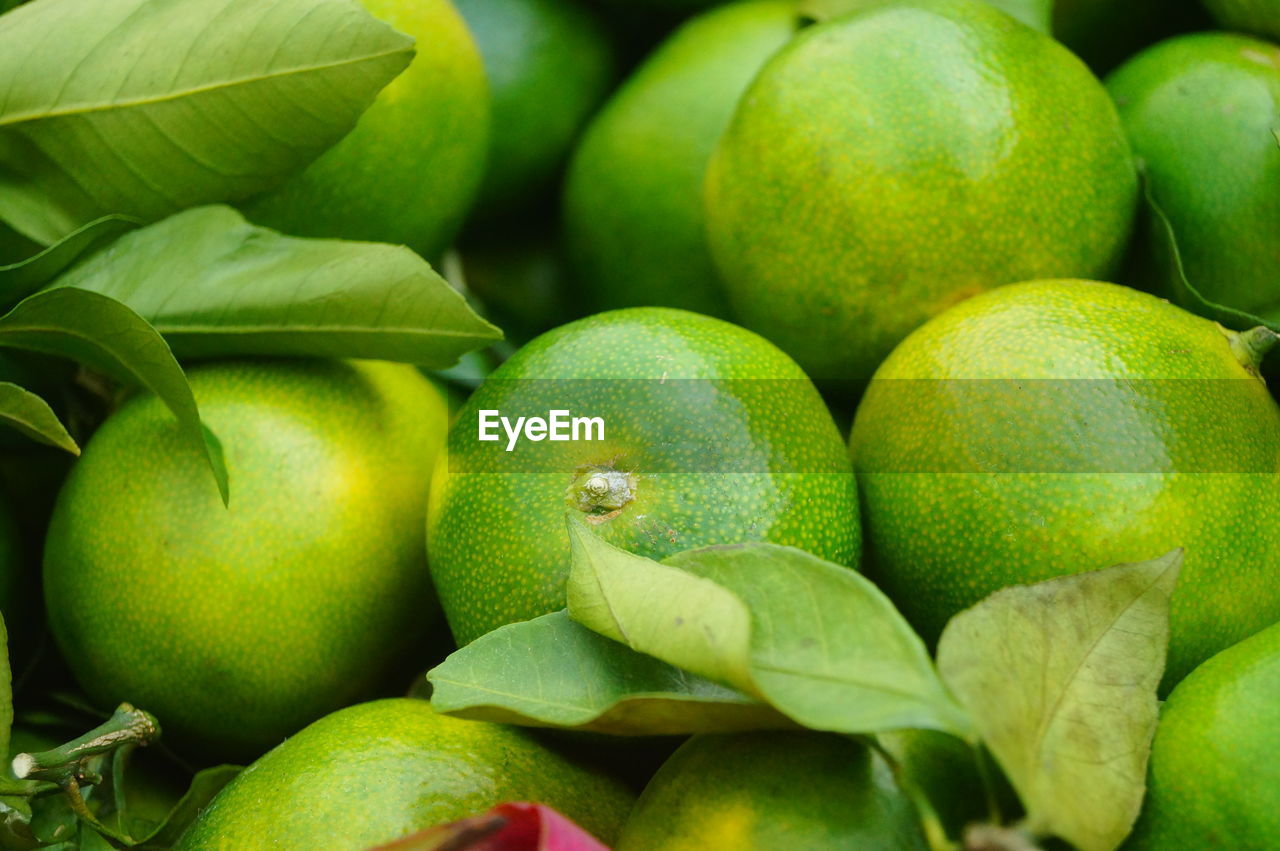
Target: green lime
[(710, 436), (236, 626), (1055, 427), (773, 791), (549, 63), (409, 171), (1211, 782), (1253, 16), (633, 199), (372, 773), (1203, 114), (894, 161)]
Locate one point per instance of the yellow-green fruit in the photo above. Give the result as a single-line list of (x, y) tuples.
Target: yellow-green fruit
[(711, 436), (771, 791), (1213, 782), (891, 162), (633, 199), (237, 626), (1201, 112), (1253, 16), (1055, 427), (372, 773), (409, 171), (549, 63)]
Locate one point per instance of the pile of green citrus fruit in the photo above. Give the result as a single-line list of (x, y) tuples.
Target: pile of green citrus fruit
[(649, 424)]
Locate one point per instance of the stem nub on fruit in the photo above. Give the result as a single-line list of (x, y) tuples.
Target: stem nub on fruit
[(601, 492), (1251, 346), (67, 764)]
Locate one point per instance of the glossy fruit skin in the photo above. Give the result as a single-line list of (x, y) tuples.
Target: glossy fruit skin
[(238, 626), (1200, 111), (889, 163), (724, 436), (371, 773), (409, 171), (633, 215), (549, 63), (1252, 16), (1149, 434), (770, 791), (1211, 783)]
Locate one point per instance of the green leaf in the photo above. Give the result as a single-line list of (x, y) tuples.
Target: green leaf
[(31, 415), (204, 787), (552, 672), (19, 280), (815, 640), (1061, 679), (145, 107), (213, 284), (1037, 14), (1172, 273), (104, 334)]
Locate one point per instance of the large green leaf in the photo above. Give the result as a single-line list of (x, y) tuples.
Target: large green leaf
[(553, 672), (144, 107), (31, 415), (815, 640), (1061, 679), (215, 285), (19, 280), (104, 334)]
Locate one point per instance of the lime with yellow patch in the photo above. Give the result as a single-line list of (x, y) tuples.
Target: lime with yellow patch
[(894, 161), (1212, 783), (409, 171), (634, 224), (373, 773), (1203, 114), (1056, 427), (769, 791), (238, 625), (710, 435)]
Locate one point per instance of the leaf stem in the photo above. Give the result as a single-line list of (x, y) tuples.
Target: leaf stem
[(934, 833), (983, 763)]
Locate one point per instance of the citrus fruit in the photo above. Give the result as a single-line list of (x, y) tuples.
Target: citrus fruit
[(1211, 782), (1055, 427), (409, 171), (371, 773), (710, 436), (548, 63), (1201, 113), (236, 626), (894, 161), (633, 198), (772, 790), (1254, 16)]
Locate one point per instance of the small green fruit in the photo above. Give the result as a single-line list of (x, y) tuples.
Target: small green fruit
[(238, 625), (711, 436), (772, 791), (633, 199), (1212, 784), (410, 169), (372, 773), (1056, 427), (1201, 112), (549, 63), (891, 162)]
